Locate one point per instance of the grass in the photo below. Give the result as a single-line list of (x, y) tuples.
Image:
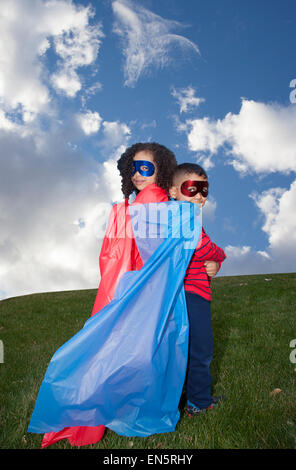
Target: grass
[(253, 324)]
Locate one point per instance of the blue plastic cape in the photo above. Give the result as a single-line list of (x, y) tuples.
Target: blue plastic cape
[(125, 368)]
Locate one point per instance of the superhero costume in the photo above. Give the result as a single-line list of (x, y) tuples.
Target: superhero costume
[(125, 369)]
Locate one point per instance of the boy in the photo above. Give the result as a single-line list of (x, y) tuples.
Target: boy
[(190, 183)]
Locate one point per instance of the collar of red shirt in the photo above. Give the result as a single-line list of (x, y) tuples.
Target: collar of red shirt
[(152, 193)]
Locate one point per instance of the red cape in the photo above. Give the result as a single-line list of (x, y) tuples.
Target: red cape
[(119, 254)]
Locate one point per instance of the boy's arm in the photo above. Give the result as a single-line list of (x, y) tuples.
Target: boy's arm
[(208, 251)]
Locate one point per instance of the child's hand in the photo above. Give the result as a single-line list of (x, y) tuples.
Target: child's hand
[(212, 267)]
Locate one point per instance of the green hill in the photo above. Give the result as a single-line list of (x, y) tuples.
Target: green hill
[(254, 323)]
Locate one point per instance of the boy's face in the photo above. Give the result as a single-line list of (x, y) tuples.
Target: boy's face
[(138, 180), (176, 193)]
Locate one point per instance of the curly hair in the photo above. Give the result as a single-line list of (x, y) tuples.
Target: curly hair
[(164, 159)]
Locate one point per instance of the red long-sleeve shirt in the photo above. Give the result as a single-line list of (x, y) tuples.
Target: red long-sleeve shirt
[(196, 279)]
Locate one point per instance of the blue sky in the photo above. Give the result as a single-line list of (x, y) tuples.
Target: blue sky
[(82, 80)]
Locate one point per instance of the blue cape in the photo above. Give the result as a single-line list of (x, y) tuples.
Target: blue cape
[(125, 368)]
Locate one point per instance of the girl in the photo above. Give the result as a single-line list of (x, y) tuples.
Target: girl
[(146, 169), (163, 160)]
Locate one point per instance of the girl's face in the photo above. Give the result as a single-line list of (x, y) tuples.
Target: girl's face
[(139, 181)]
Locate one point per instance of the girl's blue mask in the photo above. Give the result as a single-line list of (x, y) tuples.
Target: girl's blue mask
[(144, 167)]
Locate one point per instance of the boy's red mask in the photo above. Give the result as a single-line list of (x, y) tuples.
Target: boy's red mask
[(190, 188)]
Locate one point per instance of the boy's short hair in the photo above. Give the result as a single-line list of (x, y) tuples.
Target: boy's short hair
[(184, 168)]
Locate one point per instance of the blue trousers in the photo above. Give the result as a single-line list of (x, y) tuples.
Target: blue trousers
[(199, 379)]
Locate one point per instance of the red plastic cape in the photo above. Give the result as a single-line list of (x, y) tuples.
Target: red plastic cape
[(119, 254)]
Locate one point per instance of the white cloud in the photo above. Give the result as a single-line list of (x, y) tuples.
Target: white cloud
[(89, 121), (5, 123), (243, 260), (112, 179), (54, 199), (261, 138), (67, 80), (236, 251), (28, 28), (54, 206), (115, 134), (205, 135), (264, 254), (205, 161), (41, 196), (209, 209), (146, 39), (186, 98), (149, 125), (90, 92), (77, 46), (277, 207)]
